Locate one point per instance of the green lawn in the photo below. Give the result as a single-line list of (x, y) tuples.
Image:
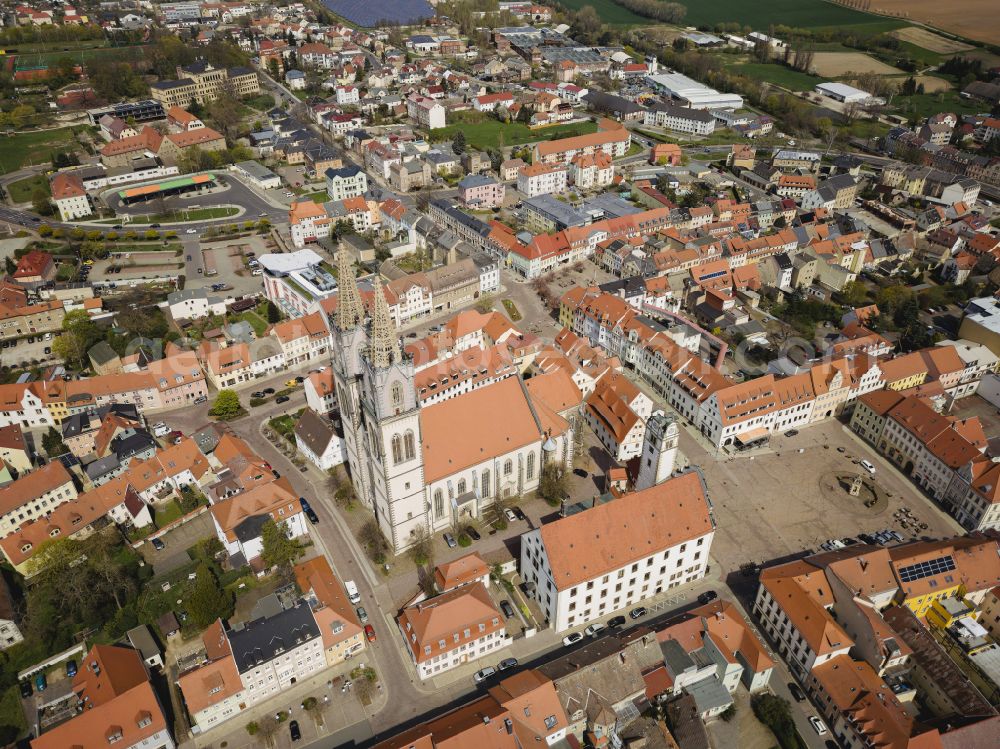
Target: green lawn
[(22, 190), (256, 317), (34, 147), (486, 134), (319, 196), (198, 214), (779, 75), (805, 14), (610, 12), (82, 56)]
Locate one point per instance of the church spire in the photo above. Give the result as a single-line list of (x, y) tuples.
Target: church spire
[(384, 345), (350, 311)]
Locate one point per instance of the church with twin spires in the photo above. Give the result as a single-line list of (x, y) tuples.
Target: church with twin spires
[(436, 466)]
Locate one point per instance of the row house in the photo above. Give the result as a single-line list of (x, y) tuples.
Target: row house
[(617, 412), (946, 457), (303, 339)]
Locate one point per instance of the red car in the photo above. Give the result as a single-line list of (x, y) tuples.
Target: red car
[(370, 632)]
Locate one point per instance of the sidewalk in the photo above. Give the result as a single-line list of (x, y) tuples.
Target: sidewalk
[(344, 709)]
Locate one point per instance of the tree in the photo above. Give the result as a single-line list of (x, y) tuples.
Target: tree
[(79, 334), (315, 708), (9, 265), (552, 483), (208, 601), (458, 143), (273, 313), (422, 549), (267, 728), (370, 536), (854, 294), (53, 444), (226, 406), (278, 549), (41, 203)]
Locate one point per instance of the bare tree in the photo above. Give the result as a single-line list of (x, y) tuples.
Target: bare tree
[(267, 729)]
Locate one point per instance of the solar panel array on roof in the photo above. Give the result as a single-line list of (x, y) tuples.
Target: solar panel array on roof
[(370, 13), (931, 567)]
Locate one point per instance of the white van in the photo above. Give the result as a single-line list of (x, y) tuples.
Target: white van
[(867, 466), (160, 429), (352, 592)]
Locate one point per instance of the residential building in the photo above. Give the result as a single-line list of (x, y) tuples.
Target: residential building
[(617, 412), (611, 137), (343, 636), (542, 179), (481, 192), (274, 652), (453, 628), (308, 222), (319, 440), (195, 303), (10, 633), (34, 496), (649, 541), (238, 519), (70, 196), (111, 702), (346, 182), (591, 171), (680, 119)]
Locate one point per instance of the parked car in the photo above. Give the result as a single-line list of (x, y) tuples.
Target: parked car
[(791, 432), (472, 533), (581, 473), (507, 609), (26, 690), (507, 663), (572, 638), (290, 383), (41, 684), (818, 725), (483, 674), (268, 391), (450, 540), (594, 630), (293, 730), (191, 231), (201, 399), (370, 632), (70, 668), (867, 466), (309, 511), (707, 596), (796, 692), (257, 394), (616, 621), (509, 514), (282, 399), (638, 612), (362, 614), (519, 513), (158, 544)]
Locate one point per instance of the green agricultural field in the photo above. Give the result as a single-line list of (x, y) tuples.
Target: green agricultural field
[(36, 147), (779, 75), (805, 14), (610, 12), (483, 135)]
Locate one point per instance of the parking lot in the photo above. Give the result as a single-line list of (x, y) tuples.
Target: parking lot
[(16, 351), (773, 503), (176, 543)]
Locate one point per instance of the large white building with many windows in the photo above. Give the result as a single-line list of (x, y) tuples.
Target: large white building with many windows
[(617, 554)]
